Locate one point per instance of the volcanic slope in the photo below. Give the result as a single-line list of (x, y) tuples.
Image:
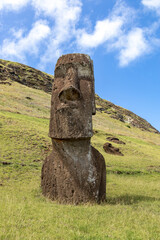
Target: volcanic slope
[(132, 209)]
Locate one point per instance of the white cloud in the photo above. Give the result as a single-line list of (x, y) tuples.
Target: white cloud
[(152, 4), (104, 30), (117, 32), (132, 46), (17, 33), (29, 44), (12, 4), (56, 8), (108, 29), (64, 15)]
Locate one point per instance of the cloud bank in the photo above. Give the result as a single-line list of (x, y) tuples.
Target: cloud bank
[(61, 31), (21, 46), (118, 33), (104, 30), (152, 4), (133, 46), (13, 4)]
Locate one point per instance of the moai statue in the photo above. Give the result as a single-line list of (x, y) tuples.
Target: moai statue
[(75, 172)]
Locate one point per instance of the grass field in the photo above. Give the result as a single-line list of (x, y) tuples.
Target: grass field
[(132, 209)]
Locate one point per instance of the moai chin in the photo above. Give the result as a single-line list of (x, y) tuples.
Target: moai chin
[(75, 172)]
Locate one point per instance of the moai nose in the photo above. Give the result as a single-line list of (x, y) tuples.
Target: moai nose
[(70, 91)]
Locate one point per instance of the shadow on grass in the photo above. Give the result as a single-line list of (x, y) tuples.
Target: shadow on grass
[(130, 199)]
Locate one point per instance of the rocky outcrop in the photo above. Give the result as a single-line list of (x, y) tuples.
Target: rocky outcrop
[(11, 71), (115, 140), (75, 172), (123, 115), (109, 148)]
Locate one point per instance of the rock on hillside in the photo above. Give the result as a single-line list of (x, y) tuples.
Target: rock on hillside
[(123, 115), (11, 71)]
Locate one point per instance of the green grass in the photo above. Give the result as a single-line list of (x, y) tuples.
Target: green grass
[(139, 156), (132, 209), (14, 98)]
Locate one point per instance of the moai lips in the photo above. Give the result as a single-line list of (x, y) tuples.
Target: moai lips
[(75, 172)]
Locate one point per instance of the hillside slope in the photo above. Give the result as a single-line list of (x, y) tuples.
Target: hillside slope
[(123, 115), (31, 77), (133, 191), (11, 71)]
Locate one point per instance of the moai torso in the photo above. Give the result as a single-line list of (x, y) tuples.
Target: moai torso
[(75, 171)]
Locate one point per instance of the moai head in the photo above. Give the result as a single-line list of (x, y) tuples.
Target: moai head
[(73, 101)]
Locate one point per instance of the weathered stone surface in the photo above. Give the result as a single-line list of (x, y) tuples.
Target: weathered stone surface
[(109, 148), (72, 103), (75, 172)]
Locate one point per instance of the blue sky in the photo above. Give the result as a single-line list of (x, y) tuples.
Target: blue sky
[(122, 37)]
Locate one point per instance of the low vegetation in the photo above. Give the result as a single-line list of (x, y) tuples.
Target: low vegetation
[(132, 209), (28, 76)]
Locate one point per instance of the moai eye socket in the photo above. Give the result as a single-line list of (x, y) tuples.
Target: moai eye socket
[(85, 72), (60, 72)]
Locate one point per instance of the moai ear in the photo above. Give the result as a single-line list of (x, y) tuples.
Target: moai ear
[(93, 93)]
